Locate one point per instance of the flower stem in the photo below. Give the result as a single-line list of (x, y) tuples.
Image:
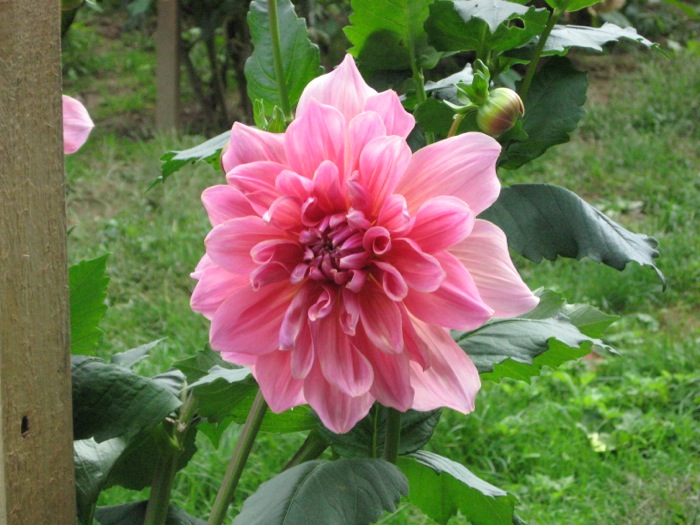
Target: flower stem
[(277, 58), (312, 448), (393, 435), (532, 66), (166, 465), (238, 461)]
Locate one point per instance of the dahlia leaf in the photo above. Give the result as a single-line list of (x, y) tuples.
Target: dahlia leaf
[(131, 513), (564, 37), (441, 488), (465, 25), (208, 151), (99, 466), (547, 221), (226, 395), (553, 108), (343, 492), (300, 58), (416, 430), (111, 401), (198, 365), (553, 333), (88, 283), (129, 358), (389, 35)]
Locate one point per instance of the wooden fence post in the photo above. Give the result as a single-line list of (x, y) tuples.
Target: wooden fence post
[(36, 453), (168, 65)]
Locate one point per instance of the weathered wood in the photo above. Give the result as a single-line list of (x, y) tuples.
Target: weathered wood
[(168, 65), (36, 458)]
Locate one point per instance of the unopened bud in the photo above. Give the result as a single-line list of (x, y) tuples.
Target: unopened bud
[(500, 111)]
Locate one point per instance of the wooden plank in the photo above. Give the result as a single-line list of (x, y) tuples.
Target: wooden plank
[(168, 66), (36, 453)]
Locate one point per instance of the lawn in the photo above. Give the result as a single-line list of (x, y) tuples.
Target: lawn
[(599, 441)]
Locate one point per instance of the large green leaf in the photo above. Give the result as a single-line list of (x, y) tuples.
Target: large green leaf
[(547, 221), (226, 395), (570, 5), (110, 401), (564, 37), (441, 488), (197, 366), (389, 34), (88, 290), (208, 151), (344, 492), (129, 358), (550, 335), (553, 108), (300, 58), (487, 25), (135, 513), (416, 430), (99, 466)]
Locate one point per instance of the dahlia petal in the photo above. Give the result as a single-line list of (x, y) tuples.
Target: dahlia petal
[(382, 163), (392, 380), (381, 321), (463, 166), (394, 215), (318, 135), (416, 349), (230, 244), (393, 283), (485, 254), (451, 381), (421, 271), (377, 240), (396, 119), (224, 202), (442, 222), (323, 307), (338, 411), (279, 387), (303, 355), (327, 188), (344, 88), (362, 129), (256, 181), (77, 124), (268, 273), (293, 185), (351, 311), (249, 321), (342, 364), (456, 304), (295, 318), (248, 144), (213, 288), (284, 213)]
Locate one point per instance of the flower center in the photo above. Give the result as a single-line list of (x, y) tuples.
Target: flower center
[(335, 251)]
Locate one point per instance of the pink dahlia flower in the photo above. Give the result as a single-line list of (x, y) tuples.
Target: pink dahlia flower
[(338, 260), (77, 125)]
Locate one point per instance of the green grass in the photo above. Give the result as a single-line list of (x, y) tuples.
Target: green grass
[(600, 441)]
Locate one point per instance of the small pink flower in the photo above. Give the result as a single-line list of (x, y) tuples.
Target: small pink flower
[(77, 125), (338, 260)]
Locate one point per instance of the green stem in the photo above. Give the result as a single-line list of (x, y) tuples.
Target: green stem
[(166, 465), (375, 429), (277, 58), (455, 125), (393, 435), (312, 448), (532, 66), (238, 461)]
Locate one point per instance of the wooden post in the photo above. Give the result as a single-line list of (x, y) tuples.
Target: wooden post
[(168, 65), (36, 453)]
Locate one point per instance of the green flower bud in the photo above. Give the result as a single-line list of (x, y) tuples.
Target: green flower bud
[(500, 111)]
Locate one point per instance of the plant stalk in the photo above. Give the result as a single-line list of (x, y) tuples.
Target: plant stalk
[(393, 435), (532, 66), (313, 447), (277, 59), (166, 465), (238, 461)]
